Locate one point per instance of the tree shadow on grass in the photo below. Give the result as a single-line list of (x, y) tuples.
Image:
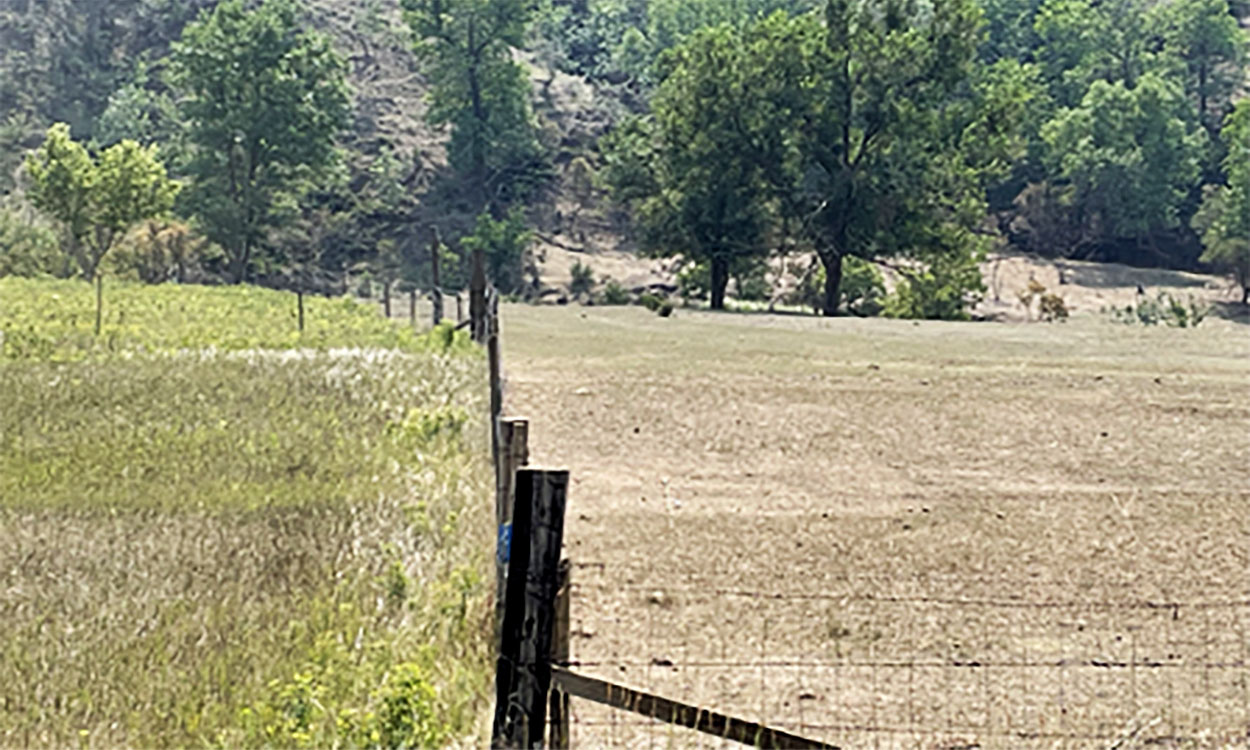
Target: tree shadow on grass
[(1113, 275), (1231, 311)]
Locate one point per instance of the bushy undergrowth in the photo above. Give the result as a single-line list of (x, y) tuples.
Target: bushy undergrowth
[(53, 320), (1163, 308), (242, 549)]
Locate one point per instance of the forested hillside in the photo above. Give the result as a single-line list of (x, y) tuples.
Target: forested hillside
[(312, 142)]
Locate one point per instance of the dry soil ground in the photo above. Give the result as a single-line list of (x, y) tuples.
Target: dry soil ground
[(895, 534)]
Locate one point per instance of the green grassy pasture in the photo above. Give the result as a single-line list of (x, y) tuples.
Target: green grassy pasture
[(207, 541)]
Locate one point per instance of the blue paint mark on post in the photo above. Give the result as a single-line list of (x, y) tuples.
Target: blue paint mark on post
[(503, 547)]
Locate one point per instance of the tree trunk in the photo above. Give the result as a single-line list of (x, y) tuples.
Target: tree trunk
[(720, 280), (833, 283), (238, 263)]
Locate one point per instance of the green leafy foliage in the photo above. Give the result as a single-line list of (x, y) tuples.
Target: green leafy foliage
[(613, 293), (97, 200), (480, 91), (1132, 154), (28, 249), (156, 251), (256, 151), (1223, 221), (943, 290), (583, 279), (697, 174), (505, 243), (1162, 308)]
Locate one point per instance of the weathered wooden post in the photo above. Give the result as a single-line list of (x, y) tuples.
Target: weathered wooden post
[(477, 297), (386, 297), (436, 297), (558, 709), (513, 455), (412, 306), (495, 363), (523, 670), (299, 303)]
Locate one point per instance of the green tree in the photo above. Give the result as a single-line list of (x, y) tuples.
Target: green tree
[(264, 102), (1223, 221), (701, 174), (888, 143), (1009, 32), (1130, 155), (1093, 40), (480, 91), (1211, 48), (96, 201)]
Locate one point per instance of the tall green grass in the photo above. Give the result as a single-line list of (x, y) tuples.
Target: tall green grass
[(240, 548), (53, 320)]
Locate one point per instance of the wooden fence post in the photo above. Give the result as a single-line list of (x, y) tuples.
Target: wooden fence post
[(459, 309), (514, 455), (477, 297), (495, 362), (523, 670), (436, 297), (558, 710), (386, 297), (412, 306)]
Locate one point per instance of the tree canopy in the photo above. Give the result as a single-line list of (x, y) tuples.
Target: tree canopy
[(264, 102)]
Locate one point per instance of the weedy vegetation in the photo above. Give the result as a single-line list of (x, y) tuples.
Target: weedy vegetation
[(215, 532)]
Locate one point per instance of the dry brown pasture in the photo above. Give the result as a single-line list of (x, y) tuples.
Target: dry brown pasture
[(891, 534)]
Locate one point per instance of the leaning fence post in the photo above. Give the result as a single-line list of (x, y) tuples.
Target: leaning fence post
[(559, 702), (514, 455), (437, 296), (523, 670)]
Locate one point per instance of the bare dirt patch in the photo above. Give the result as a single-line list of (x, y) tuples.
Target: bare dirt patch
[(891, 534)]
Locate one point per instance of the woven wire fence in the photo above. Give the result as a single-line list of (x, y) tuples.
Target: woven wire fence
[(927, 661)]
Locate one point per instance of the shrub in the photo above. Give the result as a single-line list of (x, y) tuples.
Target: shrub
[(28, 250), (751, 282), (652, 302), (693, 282), (942, 291), (749, 276), (583, 279), (614, 293), (1164, 308), (157, 251), (861, 292), (1052, 308)]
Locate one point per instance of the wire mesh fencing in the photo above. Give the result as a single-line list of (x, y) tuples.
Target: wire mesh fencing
[(928, 661)]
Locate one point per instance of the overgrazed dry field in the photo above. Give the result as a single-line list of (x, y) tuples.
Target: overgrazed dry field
[(889, 534)]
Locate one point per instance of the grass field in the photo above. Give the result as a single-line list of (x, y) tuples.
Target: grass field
[(896, 534), (216, 533)]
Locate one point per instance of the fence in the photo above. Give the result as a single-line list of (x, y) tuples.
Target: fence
[(924, 662), (618, 656)]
